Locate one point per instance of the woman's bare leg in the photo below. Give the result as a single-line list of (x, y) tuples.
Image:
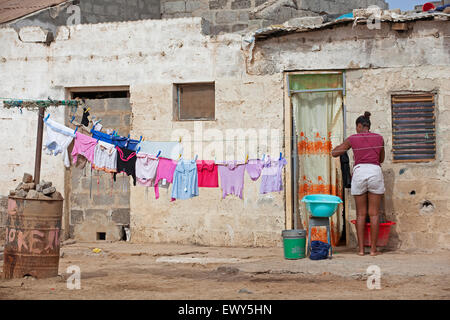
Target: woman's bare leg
[(374, 209), (361, 213)]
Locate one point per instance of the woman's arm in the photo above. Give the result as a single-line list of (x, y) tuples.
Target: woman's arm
[(382, 154), (341, 149)]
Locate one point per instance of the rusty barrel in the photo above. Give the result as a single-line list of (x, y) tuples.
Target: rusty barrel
[(32, 238)]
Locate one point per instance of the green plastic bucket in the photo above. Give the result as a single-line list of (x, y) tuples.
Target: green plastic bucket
[(294, 243)]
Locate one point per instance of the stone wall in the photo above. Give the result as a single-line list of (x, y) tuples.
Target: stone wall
[(243, 15), (104, 207), (91, 11)]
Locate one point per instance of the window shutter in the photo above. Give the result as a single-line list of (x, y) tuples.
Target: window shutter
[(413, 128)]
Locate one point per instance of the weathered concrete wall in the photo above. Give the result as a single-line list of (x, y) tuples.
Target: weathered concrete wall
[(242, 15), (104, 207), (118, 54), (346, 47), (418, 226), (91, 11), (380, 63), (3, 216)]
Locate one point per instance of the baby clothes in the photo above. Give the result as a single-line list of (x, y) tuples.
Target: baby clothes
[(85, 146), (254, 168), (164, 172), (105, 157), (85, 119), (185, 180), (146, 166), (126, 162), (232, 178), (57, 139), (208, 176), (271, 176)]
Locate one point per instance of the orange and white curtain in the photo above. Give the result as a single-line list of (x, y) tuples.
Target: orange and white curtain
[(319, 126)]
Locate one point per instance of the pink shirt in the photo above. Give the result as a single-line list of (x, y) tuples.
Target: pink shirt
[(165, 170), (85, 146), (366, 147), (208, 176)]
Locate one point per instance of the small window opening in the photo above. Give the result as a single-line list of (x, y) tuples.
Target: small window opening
[(194, 101), (101, 235)]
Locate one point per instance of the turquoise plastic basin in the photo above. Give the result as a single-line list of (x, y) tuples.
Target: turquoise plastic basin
[(321, 205)]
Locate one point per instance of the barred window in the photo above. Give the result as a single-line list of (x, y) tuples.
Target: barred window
[(414, 128)]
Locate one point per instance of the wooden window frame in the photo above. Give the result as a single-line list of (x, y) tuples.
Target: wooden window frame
[(177, 101), (399, 101)]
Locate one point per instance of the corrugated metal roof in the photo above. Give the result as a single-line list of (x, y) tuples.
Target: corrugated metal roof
[(14, 9), (280, 30)]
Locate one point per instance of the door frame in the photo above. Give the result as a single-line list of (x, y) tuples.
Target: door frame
[(291, 201)]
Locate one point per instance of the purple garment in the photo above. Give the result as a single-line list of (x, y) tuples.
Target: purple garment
[(254, 168), (271, 176), (232, 178)]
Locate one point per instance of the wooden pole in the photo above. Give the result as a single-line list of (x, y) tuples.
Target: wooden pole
[(39, 136)]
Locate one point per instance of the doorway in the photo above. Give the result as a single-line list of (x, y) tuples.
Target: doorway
[(317, 125)]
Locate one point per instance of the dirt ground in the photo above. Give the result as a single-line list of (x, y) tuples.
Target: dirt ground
[(168, 271)]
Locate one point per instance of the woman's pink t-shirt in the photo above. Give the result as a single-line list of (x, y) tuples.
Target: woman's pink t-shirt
[(366, 147)]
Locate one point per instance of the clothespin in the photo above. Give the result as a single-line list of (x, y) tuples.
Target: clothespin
[(179, 141), (158, 153), (246, 159), (196, 157), (140, 139), (46, 118), (73, 118), (75, 130), (128, 136), (281, 155), (263, 157), (87, 110), (179, 157), (139, 149)]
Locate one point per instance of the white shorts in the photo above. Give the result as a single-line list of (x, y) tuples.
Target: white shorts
[(367, 178)]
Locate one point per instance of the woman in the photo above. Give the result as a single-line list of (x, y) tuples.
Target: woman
[(367, 180)]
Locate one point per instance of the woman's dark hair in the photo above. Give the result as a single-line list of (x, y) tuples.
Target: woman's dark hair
[(364, 120)]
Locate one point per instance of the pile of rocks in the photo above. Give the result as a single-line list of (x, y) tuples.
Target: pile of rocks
[(29, 190)]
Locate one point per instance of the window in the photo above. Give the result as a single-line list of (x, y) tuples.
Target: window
[(194, 101), (413, 128)]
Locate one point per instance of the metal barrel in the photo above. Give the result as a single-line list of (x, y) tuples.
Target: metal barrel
[(32, 244)]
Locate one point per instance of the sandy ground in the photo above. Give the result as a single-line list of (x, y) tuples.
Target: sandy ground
[(137, 271)]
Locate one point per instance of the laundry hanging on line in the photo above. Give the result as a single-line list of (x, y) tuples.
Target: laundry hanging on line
[(116, 154)]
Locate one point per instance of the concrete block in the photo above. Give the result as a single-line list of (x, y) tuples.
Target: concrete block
[(112, 10), (111, 121), (121, 104), (238, 27), (121, 216), (225, 17), (217, 4), (194, 5), (241, 4), (76, 216), (98, 9), (27, 178), (220, 29), (33, 34), (174, 7)]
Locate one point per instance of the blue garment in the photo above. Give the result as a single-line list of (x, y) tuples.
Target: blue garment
[(185, 180), (319, 250), (118, 141), (102, 136)]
